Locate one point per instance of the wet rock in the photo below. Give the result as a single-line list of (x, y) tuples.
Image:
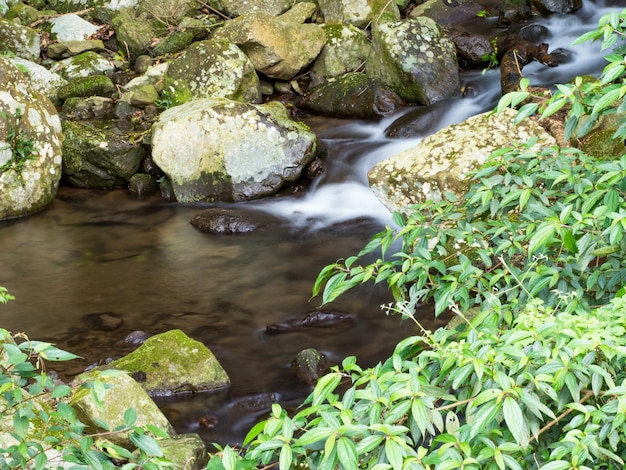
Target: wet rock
[(441, 161), (103, 321), (353, 95), (279, 47), (347, 49), (212, 69), (98, 158), (415, 60), (519, 53), (221, 150), (142, 185), (316, 319), (137, 337), (547, 7), (83, 65), (472, 49), (309, 365), (417, 122), (30, 145), (174, 363), (22, 41), (358, 12), (513, 12), (232, 221)]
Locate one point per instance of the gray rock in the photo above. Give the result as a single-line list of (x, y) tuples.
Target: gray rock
[(171, 362), (134, 32), (30, 145), (83, 65), (168, 11), (63, 50), (415, 60), (98, 158), (444, 13), (347, 49), (359, 13), (441, 161), (212, 69), (22, 41), (557, 6), (222, 150), (71, 28), (41, 79), (233, 8), (279, 47)]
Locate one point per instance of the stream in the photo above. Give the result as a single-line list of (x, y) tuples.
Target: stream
[(98, 265)]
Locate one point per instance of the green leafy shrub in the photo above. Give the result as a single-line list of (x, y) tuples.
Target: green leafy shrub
[(21, 145), (41, 429)]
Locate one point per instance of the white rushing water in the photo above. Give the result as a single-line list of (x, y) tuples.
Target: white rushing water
[(342, 193)]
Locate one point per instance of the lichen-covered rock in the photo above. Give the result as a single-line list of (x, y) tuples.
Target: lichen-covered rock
[(222, 150), (233, 8), (186, 451), (171, 362), (352, 95), (415, 60), (279, 47), (134, 32), (26, 14), (20, 40), (168, 11), (41, 79), (359, 13), (347, 49), (30, 145), (98, 158), (69, 6), (440, 162), (71, 27), (94, 85), (447, 13), (85, 64), (121, 393), (212, 69)]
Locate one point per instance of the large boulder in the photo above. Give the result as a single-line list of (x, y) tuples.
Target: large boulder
[(134, 32), (440, 162), (22, 41), (279, 47), (171, 362), (40, 78), (445, 13), (359, 13), (30, 145), (222, 150), (235, 8), (415, 59), (212, 69), (98, 158), (347, 49)]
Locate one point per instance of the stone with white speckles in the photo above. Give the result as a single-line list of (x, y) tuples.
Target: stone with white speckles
[(22, 41), (30, 145), (440, 162)]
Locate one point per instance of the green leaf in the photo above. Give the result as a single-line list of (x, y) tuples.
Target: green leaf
[(285, 458), (325, 386), (146, 444), (541, 237), (515, 421), (347, 453), (313, 436), (130, 416), (394, 452)]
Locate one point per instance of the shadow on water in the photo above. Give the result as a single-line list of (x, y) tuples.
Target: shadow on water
[(97, 265)]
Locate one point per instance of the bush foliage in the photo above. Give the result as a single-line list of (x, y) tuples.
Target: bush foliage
[(533, 261)]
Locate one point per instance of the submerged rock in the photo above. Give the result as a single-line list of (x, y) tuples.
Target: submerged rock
[(316, 319), (441, 161), (222, 150), (30, 145), (230, 221), (309, 365), (171, 362)]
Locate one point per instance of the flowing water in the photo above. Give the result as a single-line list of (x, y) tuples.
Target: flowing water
[(97, 265)]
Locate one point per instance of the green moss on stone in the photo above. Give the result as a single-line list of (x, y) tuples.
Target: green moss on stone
[(96, 85)]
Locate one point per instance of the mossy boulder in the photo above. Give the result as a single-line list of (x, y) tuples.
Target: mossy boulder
[(30, 145), (85, 64), (444, 13), (414, 59), (98, 158), (440, 163), (359, 13), (233, 8), (186, 451), (171, 362), (223, 150), (22, 41), (599, 142), (279, 47), (134, 32), (212, 68), (347, 49), (352, 95), (121, 393)]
